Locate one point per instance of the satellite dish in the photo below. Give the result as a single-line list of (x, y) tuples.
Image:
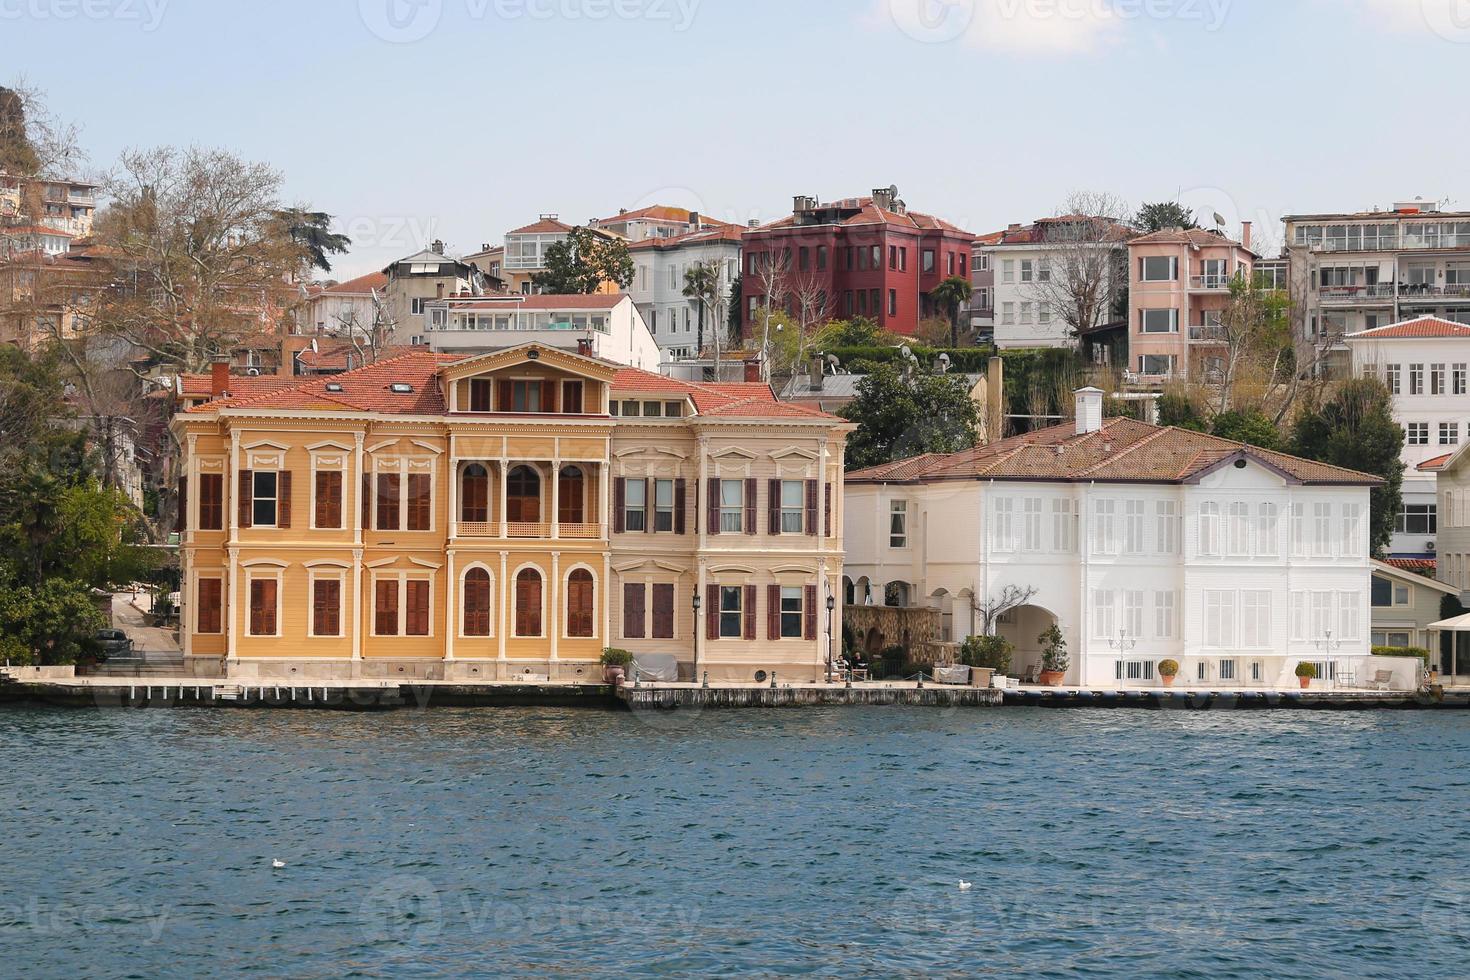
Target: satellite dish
[(314, 348), (943, 363), (1219, 220), (834, 363), (904, 352), (893, 191)]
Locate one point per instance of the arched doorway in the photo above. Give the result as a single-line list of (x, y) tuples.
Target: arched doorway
[(849, 592), (571, 493), (523, 495), (944, 602), (898, 594), (1023, 626)]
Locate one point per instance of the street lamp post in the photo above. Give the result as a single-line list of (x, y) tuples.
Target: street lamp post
[(831, 605), (697, 604)]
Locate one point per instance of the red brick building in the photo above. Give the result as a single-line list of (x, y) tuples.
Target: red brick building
[(866, 256)]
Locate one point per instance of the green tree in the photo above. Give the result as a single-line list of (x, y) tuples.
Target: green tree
[(312, 231), (583, 261), (17, 155), (1251, 427), (732, 315), (52, 623), (951, 294), (856, 332), (1178, 409), (1355, 428), (702, 284), (1163, 214), (899, 417)]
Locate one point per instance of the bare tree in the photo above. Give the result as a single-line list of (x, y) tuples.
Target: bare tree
[(813, 307), (34, 142), (772, 280), (990, 610), (1086, 263)]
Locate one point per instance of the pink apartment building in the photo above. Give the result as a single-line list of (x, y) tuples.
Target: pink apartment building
[(1178, 285)]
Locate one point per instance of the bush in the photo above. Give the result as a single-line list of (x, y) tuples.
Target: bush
[(1305, 669), (1053, 649), (1168, 668), (912, 667), (613, 657), (1419, 652), (987, 651)]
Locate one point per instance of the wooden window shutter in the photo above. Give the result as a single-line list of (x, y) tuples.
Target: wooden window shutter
[(712, 612), (811, 507), (750, 506), (633, 623), (328, 499), (211, 494), (367, 500), (208, 620), (385, 608), (827, 511), (283, 498), (548, 397), (502, 396), (809, 612), (773, 506), (663, 611), (417, 608), (773, 612), (712, 505), (650, 507), (257, 607), (748, 608), (247, 497), (324, 607), (620, 502), (681, 502), (420, 502), (181, 519), (387, 501)]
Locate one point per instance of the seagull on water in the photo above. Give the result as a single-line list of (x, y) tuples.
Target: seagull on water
[(964, 885), (278, 863)]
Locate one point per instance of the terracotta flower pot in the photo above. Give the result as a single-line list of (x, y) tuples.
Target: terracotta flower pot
[(1052, 678), (613, 675), (1168, 679), (1306, 682)]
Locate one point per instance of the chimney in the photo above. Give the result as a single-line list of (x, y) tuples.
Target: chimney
[(1089, 410), (437, 247), (819, 374), (584, 346), (694, 218), (753, 372), (995, 385), (1245, 233), (219, 377), (1013, 226), (883, 197)]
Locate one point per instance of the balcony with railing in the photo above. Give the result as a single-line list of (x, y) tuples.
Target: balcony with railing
[(1212, 282), (1354, 295), (1209, 333), (1427, 294), (510, 500)]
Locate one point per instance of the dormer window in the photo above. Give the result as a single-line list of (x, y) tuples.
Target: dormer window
[(334, 386), (401, 388)]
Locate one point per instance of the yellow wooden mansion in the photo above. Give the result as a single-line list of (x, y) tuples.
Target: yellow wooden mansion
[(507, 516)]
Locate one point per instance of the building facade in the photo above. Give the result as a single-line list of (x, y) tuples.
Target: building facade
[(1140, 543), (657, 221), (416, 281), (1354, 271), (508, 516), (1179, 283), (1425, 363), (870, 257), (1452, 540), (63, 205), (602, 325), (660, 263), (981, 308)]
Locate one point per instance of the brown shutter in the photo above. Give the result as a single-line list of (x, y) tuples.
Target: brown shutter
[(417, 608), (502, 396), (827, 511), (681, 502), (328, 499), (181, 519), (385, 608), (283, 498), (750, 506), (257, 608), (773, 506), (388, 501), (712, 505), (246, 496), (712, 612), (809, 612), (811, 507), (773, 612), (548, 397), (663, 611), (210, 493), (208, 620), (420, 503), (650, 507), (748, 607), (633, 623), (620, 502)]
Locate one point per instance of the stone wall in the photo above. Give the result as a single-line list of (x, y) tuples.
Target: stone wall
[(918, 629)]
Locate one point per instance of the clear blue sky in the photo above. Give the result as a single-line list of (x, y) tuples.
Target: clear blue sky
[(480, 113)]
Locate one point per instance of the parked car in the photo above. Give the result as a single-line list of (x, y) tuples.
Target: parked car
[(113, 643)]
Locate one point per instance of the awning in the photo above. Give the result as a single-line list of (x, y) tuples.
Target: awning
[(1455, 623)]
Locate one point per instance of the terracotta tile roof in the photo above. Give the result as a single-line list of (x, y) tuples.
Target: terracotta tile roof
[(542, 301), (1184, 236), (368, 389), (869, 213), (339, 357), (241, 386), (1435, 464), (1122, 451), (362, 284), (35, 230), (1417, 565), (725, 233), (1423, 327), (1037, 232), (662, 212), (990, 239), (545, 226)]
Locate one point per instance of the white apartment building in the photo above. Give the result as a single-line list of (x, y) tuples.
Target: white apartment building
[(601, 325), (1028, 260), (658, 286), (340, 309), (1453, 487), (1140, 542), (1354, 271), (1424, 362), (657, 221)]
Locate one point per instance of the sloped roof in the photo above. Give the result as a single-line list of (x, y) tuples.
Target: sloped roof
[(362, 284), (724, 233), (662, 212), (542, 226), (1419, 328), (1122, 451), (241, 386), (543, 301), (1198, 237), (1434, 465), (868, 213)]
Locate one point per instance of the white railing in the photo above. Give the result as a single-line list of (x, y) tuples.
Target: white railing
[(1209, 282)]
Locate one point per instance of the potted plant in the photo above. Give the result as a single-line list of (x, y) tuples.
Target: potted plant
[(1305, 672), (992, 652), (1054, 658), (1168, 670), (614, 665)]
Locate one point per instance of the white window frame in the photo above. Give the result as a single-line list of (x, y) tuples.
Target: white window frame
[(402, 577), (326, 574), (460, 603), (898, 517), (270, 573)]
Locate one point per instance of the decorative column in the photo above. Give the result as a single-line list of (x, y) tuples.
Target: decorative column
[(504, 479), (701, 492), (553, 604), (232, 492), (700, 654), (453, 489), (357, 491), (604, 502), (503, 612), (232, 629), (357, 604), (556, 488), (604, 595), (451, 590)]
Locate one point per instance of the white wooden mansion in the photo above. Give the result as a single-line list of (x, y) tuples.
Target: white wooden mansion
[(1141, 542)]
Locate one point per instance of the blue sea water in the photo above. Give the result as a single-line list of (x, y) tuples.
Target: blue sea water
[(822, 842)]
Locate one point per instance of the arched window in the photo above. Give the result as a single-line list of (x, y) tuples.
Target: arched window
[(477, 602), (571, 496), (523, 496), (580, 603), (528, 602), (474, 497)]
